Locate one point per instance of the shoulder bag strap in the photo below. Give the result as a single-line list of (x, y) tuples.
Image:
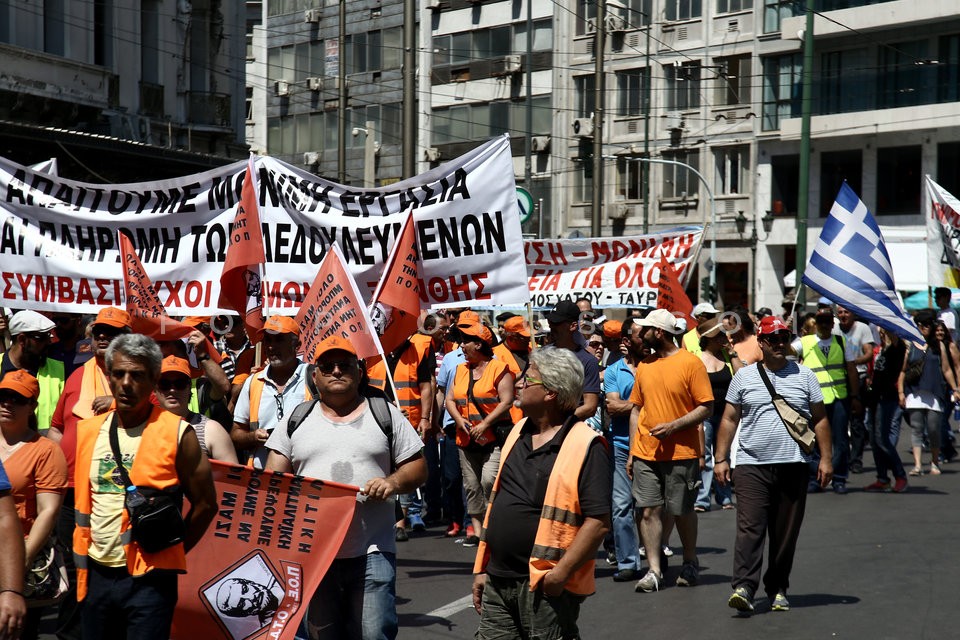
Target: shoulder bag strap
[(766, 381), (115, 448), (472, 398)]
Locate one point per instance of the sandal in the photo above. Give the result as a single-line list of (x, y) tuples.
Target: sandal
[(916, 471), (934, 470)]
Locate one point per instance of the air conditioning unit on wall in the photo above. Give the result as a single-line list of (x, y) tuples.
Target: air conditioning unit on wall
[(539, 144), (431, 154), (583, 127)]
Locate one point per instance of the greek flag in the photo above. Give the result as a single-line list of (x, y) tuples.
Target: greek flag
[(850, 266)]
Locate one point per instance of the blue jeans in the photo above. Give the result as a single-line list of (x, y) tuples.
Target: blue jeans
[(724, 493), (119, 606), (355, 600), (887, 417), (411, 504), (625, 537), (838, 413)]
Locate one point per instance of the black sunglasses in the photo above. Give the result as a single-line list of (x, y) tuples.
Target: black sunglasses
[(180, 383), (13, 398), (105, 330), (327, 367)]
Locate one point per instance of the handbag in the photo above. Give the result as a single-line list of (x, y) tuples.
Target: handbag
[(46, 582), (156, 521), (499, 430), (797, 424), (914, 370)]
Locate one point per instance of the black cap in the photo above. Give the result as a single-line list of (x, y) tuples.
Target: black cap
[(564, 311), (506, 315)]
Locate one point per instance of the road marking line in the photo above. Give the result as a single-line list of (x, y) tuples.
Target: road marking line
[(447, 610)]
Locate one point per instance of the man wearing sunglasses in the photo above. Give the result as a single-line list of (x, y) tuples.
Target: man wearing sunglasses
[(32, 336), (340, 440), (772, 471)]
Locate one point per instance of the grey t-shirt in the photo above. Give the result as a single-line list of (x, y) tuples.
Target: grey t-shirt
[(351, 452), (858, 335)]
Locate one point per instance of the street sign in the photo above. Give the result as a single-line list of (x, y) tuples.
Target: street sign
[(525, 200)]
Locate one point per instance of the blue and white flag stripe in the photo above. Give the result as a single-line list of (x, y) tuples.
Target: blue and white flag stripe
[(850, 266)]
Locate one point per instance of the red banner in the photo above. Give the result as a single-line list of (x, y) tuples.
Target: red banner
[(334, 306), (146, 311), (671, 296), (396, 302), (263, 556), (240, 280)]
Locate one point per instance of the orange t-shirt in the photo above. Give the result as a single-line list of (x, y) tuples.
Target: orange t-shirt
[(749, 351), (666, 389), (38, 466)]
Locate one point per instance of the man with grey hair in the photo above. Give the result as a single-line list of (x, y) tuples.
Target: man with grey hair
[(160, 457), (548, 513)]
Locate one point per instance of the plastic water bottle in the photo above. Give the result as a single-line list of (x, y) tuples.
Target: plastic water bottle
[(134, 498), (956, 411)]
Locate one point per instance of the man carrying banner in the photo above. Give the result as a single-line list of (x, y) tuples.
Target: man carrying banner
[(126, 590), (564, 322), (272, 393), (340, 439), (671, 397), (32, 334), (772, 471)]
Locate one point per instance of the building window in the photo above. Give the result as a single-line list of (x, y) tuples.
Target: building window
[(586, 95), (633, 91), (356, 50), (583, 180), (729, 6), (902, 81), (948, 166), (774, 11), (733, 83), (948, 80), (899, 180), (845, 81), (281, 63), (392, 48), (835, 167), (784, 184), (637, 13), (683, 9), (732, 170), (542, 36), (249, 103), (683, 86), (631, 174), (678, 181), (781, 89), (586, 13), (54, 23)]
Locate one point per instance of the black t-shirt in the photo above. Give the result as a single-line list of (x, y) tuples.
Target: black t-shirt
[(591, 370), (886, 370), (515, 515)]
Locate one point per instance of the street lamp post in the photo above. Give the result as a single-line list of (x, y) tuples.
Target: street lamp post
[(370, 150), (741, 222)]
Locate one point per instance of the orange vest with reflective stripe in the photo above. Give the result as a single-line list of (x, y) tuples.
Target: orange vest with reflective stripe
[(155, 465), (484, 390), (405, 377), (502, 352), (560, 517), (256, 392)]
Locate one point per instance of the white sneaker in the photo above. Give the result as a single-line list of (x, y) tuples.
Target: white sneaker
[(667, 551)]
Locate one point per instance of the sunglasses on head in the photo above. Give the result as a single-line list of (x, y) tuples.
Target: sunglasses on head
[(179, 383), (14, 398)]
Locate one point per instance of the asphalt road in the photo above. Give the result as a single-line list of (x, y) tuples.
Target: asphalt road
[(878, 566)]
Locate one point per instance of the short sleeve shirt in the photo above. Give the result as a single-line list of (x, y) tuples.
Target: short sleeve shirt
[(666, 389), (351, 451), (36, 466), (858, 335), (446, 375), (293, 394), (618, 378)]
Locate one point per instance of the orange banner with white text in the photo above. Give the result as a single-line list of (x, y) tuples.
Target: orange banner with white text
[(147, 313), (256, 568)]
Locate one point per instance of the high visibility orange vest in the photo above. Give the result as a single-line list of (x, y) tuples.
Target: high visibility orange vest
[(155, 465), (256, 392), (405, 378), (502, 352), (560, 517), (377, 373), (484, 390)]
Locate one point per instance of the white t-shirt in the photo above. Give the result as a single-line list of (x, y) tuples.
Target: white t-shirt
[(858, 335), (352, 451)]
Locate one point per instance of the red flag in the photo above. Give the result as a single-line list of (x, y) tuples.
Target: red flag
[(240, 280), (396, 302), (334, 306), (672, 297), (256, 567), (147, 313)]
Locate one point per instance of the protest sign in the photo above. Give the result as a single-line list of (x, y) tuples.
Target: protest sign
[(263, 556), (942, 211), (396, 302), (671, 295), (610, 272), (62, 234)]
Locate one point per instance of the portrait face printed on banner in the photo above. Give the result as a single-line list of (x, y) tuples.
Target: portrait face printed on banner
[(245, 597)]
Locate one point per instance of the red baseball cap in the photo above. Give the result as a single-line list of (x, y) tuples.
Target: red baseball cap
[(772, 324)]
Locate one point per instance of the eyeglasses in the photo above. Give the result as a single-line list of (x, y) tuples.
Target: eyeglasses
[(166, 384), (39, 336), (279, 398), (105, 330), (596, 344), (10, 397), (327, 368), (530, 381)]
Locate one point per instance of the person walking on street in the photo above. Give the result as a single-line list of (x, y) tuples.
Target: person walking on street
[(772, 471)]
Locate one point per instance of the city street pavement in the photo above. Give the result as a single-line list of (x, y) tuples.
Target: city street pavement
[(878, 566)]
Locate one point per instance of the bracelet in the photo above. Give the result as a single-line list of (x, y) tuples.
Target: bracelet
[(721, 461), (12, 591)]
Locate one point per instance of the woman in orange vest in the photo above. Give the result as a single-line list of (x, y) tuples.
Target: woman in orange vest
[(481, 397)]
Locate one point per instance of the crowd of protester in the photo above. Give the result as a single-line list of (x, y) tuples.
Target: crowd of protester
[(536, 442)]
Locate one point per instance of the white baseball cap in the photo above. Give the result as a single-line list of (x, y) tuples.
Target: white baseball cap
[(662, 319), (704, 307)]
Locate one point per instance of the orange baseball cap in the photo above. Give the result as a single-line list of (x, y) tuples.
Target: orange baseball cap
[(22, 383), (281, 324), (196, 321), (517, 324), (113, 317), (612, 329), (173, 364), (476, 330), (468, 317), (333, 343)]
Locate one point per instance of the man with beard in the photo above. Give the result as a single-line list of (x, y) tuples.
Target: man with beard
[(272, 393), (672, 396), (240, 598), (32, 334), (71, 347)]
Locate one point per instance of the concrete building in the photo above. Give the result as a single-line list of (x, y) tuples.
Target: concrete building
[(122, 91)]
